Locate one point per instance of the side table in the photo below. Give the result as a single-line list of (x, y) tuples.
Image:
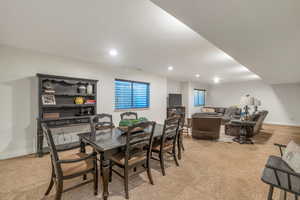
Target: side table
[(245, 125)]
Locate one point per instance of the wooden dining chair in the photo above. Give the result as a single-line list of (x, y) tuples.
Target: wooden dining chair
[(103, 121), (187, 126), (180, 137), (68, 167), (139, 139), (129, 115), (167, 143)]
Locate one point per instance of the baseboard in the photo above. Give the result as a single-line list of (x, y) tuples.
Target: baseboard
[(5, 156), (282, 125)]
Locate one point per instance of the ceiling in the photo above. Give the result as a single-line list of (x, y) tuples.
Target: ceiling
[(146, 37), (263, 35)]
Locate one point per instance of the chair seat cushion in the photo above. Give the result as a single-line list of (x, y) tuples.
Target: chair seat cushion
[(89, 149), (119, 158), (166, 147), (76, 167), (292, 156)]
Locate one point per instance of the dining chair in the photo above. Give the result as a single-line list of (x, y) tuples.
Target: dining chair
[(167, 142), (69, 167), (187, 126), (129, 115), (180, 137), (103, 121), (182, 128), (139, 139)]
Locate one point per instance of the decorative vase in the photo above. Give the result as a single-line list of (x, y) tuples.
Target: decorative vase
[(82, 89), (89, 89), (79, 100)]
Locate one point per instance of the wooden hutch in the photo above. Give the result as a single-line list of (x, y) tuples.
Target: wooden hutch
[(57, 107)]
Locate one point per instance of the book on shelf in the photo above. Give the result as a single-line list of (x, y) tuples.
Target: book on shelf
[(90, 101), (49, 91)]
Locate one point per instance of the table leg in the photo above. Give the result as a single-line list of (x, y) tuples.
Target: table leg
[(105, 175), (82, 146), (179, 145), (242, 139), (243, 135)]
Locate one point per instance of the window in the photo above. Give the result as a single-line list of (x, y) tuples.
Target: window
[(131, 94), (199, 97)]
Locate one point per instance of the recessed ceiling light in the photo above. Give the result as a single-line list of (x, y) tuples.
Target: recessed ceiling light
[(216, 80), (170, 68), (197, 75), (113, 52), (252, 77)]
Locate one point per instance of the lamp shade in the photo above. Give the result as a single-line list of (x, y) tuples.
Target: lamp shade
[(247, 101), (257, 102)]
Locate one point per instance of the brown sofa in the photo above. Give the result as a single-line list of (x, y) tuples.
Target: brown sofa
[(234, 130), (206, 127)]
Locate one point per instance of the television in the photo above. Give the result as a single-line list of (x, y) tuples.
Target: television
[(174, 100)]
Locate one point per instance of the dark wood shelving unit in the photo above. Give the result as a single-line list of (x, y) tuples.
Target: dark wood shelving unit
[(68, 105), (65, 90), (175, 110), (72, 95)]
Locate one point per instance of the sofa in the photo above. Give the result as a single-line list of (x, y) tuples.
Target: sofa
[(205, 127), (226, 114)]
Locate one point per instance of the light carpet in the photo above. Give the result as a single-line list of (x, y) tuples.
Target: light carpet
[(209, 170)]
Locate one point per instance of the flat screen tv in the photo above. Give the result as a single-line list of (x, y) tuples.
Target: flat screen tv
[(175, 100)]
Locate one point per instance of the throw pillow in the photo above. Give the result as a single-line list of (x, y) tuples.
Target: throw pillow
[(208, 110), (292, 156)]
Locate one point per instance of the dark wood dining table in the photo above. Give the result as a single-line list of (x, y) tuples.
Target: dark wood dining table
[(106, 143)]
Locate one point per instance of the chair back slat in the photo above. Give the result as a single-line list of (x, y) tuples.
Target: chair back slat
[(139, 139), (52, 149), (170, 131), (129, 115), (102, 122)]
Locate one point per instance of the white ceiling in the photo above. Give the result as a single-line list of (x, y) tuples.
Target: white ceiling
[(146, 37), (263, 35)]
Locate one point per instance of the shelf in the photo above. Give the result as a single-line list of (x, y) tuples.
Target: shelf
[(70, 95), (66, 90), (66, 118), (69, 105)]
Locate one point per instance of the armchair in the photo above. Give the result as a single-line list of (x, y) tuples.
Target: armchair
[(234, 130), (206, 127), (232, 112), (277, 173)]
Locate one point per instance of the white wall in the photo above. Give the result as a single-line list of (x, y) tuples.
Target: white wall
[(187, 91), (282, 100), (174, 87), (193, 85), (188, 96), (18, 87)]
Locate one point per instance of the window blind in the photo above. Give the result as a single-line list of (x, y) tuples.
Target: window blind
[(131, 94), (199, 97)]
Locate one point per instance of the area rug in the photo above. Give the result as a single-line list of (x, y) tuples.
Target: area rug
[(223, 137)]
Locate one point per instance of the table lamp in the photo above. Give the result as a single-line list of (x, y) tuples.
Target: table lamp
[(257, 103), (247, 101)]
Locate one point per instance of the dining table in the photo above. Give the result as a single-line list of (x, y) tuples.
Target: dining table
[(106, 143)]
